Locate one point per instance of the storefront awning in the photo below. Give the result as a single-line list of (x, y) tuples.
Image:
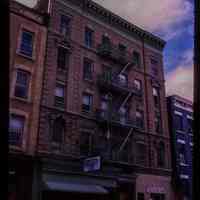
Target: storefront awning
[(74, 187)]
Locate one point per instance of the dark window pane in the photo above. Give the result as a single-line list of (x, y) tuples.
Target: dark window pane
[(64, 25), (179, 122), (87, 69), (88, 37), (139, 118), (136, 58), (62, 58), (22, 83), (16, 128), (26, 46), (140, 153)]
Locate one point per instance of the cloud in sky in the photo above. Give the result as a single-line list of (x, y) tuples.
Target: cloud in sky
[(180, 80), (30, 3), (159, 17)]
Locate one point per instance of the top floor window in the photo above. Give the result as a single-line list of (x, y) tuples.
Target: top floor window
[(89, 37), (154, 67), (136, 58), (156, 96), (26, 45), (65, 25)]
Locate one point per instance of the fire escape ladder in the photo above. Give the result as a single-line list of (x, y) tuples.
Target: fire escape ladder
[(125, 140), (125, 100), (124, 68)]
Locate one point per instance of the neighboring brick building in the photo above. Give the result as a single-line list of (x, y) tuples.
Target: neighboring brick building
[(27, 52), (103, 95), (180, 112)]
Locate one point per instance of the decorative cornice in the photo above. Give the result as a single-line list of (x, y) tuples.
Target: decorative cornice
[(119, 23)]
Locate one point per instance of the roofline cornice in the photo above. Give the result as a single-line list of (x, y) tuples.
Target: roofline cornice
[(118, 22)]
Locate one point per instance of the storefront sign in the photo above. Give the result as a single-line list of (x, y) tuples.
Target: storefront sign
[(92, 164)]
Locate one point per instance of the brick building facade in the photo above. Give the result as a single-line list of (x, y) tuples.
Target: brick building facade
[(103, 95), (27, 53), (180, 113)]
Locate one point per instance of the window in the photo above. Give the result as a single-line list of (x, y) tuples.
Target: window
[(87, 69), (122, 49), (85, 143), (157, 123), (182, 156), (58, 130), (87, 102), (22, 84), (140, 196), (65, 25), (139, 118), (16, 129), (62, 58), (138, 84), (156, 97), (136, 58), (59, 93), (89, 37), (179, 122), (161, 155), (123, 79), (26, 46), (154, 67), (140, 153)]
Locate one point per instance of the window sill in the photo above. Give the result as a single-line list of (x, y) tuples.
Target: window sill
[(88, 80), (61, 70), (15, 148), (179, 131), (183, 165), (25, 56), (25, 100)]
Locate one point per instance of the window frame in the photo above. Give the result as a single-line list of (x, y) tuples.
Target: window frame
[(137, 58), (62, 58), (22, 52), (89, 42), (21, 136), (89, 138), (54, 137), (59, 100), (87, 108), (20, 86), (67, 33), (86, 75)]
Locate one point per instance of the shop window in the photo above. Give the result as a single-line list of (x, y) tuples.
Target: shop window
[(16, 129)]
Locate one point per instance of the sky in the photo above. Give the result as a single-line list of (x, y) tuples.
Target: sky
[(172, 20)]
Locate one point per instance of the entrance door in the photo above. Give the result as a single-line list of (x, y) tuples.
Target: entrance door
[(156, 196)]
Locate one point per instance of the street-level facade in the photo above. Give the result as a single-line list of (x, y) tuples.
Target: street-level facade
[(103, 96), (27, 52), (180, 112)]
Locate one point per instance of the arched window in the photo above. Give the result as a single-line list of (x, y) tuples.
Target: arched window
[(58, 130), (161, 155)]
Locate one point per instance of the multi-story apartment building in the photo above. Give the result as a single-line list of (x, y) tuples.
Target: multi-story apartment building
[(180, 111), (27, 52), (103, 96)]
